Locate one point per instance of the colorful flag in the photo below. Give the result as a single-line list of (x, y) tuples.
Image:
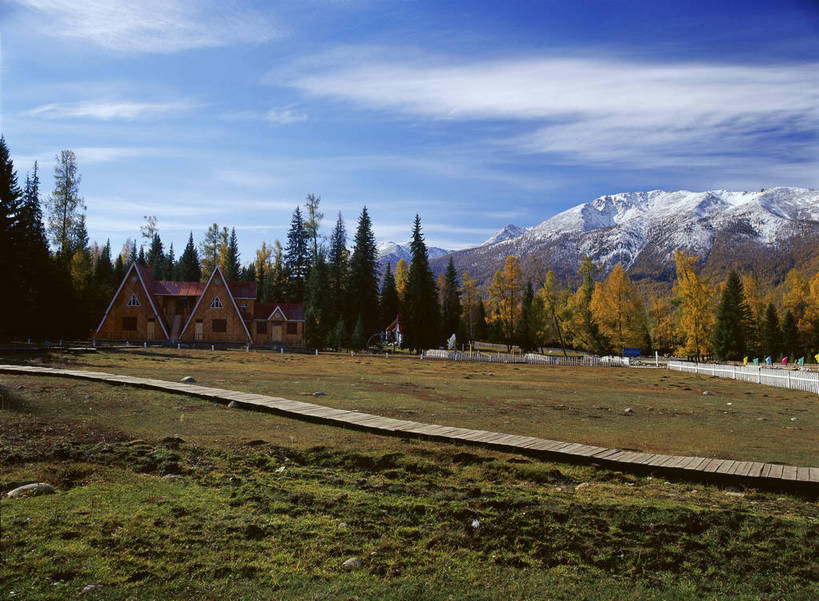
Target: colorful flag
[(745, 361), (768, 360), (756, 360), (785, 360), (801, 361)]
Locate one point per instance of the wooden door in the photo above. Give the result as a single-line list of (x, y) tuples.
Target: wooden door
[(198, 333), (276, 331), (151, 324)]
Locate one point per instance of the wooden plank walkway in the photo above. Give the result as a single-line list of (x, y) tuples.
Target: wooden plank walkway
[(726, 470)]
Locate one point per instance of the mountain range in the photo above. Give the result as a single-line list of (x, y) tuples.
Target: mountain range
[(769, 231), (391, 252)]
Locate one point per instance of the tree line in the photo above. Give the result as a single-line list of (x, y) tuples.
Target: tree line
[(60, 285)]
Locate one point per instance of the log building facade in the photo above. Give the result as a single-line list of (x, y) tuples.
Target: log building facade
[(216, 311)]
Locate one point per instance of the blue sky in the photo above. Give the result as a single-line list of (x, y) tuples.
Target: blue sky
[(472, 114)]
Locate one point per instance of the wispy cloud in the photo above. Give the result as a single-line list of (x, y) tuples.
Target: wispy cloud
[(109, 110), (600, 110), (155, 26), (278, 116)]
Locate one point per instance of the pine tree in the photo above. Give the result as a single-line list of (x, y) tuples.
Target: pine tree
[(359, 338), (450, 301), (232, 266), (389, 307), (104, 271), (421, 297), (189, 269), (296, 259), (771, 333), (10, 237), (213, 250), (339, 269), (156, 257), (728, 337), (790, 336), (317, 318), (141, 260), (170, 264), (65, 205), (33, 260), (481, 327), (363, 281)]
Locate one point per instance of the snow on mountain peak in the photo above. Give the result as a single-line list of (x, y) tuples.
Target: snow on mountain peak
[(505, 233)]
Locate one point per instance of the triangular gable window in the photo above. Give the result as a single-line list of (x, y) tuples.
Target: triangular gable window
[(277, 314), (216, 304), (133, 301)]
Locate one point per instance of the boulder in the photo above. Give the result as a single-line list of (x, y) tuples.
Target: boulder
[(352, 563), (188, 380)]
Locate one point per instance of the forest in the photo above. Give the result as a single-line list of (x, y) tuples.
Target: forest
[(60, 284)]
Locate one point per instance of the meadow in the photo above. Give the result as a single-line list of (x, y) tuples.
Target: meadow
[(165, 495)]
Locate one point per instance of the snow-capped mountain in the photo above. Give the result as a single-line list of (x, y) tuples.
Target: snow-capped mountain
[(505, 233), (391, 252), (642, 230)]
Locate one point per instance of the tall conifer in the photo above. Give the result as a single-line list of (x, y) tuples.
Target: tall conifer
[(450, 301), (189, 269), (733, 315), (296, 257), (421, 302), (389, 306), (363, 281)]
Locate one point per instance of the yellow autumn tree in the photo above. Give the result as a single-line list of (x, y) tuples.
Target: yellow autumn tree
[(505, 296), (696, 304), (812, 313), (550, 302), (618, 311), (797, 300), (469, 302), (664, 333), (401, 275)]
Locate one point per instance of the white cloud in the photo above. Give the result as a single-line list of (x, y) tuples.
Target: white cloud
[(108, 110), (589, 110), (155, 26), (277, 116)]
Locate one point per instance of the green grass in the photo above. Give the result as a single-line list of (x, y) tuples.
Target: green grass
[(235, 525)]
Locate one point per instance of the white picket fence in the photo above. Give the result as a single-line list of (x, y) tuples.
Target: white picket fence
[(530, 358), (784, 378)]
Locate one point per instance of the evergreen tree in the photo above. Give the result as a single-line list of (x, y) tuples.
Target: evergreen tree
[(771, 333), (248, 273), (317, 317), (189, 269), (296, 259), (338, 337), (132, 256), (10, 235), (389, 307), (33, 259), (65, 205), (728, 338), (363, 282), (359, 338), (339, 269), (104, 271), (170, 264), (232, 266), (422, 330), (156, 257), (481, 328), (790, 336), (450, 301), (141, 257), (119, 269)]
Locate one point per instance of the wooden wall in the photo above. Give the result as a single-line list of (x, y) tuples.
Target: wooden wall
[(112, 326), (234, 332)]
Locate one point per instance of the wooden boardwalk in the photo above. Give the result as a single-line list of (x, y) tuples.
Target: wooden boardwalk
[(750, 473)]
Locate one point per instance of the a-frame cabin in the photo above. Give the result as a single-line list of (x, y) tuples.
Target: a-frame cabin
[(132, 313), (216, 316)]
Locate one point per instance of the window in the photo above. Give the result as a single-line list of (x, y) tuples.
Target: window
[(219, 325), (244, 307), (292, 327), (261, 327), (216, 304), (129, 323), (133, 301)]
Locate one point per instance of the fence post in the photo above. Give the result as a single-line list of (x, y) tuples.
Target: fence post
[(789, 380), (735, 372), (759, 375)]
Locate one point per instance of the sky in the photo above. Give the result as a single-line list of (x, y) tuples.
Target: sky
[(472, 114)]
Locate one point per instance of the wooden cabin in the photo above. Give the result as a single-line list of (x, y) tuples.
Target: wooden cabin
[(216, 311)]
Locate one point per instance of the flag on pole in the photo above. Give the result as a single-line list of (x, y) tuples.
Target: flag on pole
[(801, 361), (745, 361), (756, 360), (784, 360), (768, 360)]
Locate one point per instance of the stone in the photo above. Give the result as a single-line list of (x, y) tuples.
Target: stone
[(735, 494), (91, 587), (319, 394), (794, 419), (171, 476), (351, 564), (628, 410), (729, 404), (280, 469), (20, 387), (188, 380), (707, 393), (475, 524), (581, 486), (233, 405), (36, 488)]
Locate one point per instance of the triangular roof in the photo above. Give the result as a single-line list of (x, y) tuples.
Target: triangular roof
[(216, 271), (289, 311), (142, 277)]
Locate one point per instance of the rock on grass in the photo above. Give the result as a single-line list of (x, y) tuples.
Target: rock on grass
[(36, 488)]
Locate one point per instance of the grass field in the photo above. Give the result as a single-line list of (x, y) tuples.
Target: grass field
[(263, 507)]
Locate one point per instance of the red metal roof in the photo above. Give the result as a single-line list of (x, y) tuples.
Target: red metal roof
[(165, 288), (243, 289)]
